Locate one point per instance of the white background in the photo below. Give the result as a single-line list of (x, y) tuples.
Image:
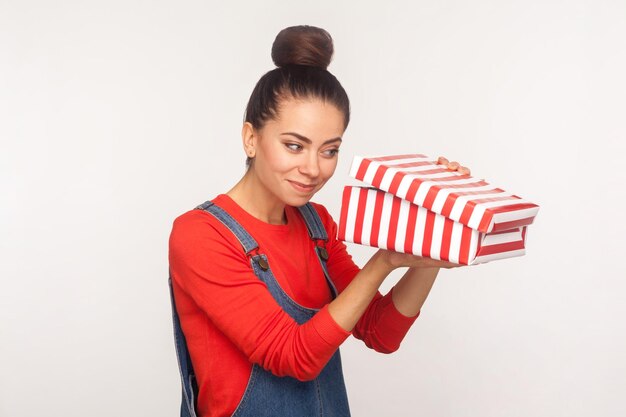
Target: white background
[(118, 116)]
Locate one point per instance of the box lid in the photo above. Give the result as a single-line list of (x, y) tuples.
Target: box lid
[(465, 199)]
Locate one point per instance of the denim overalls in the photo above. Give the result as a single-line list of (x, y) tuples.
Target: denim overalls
[(267, 394)]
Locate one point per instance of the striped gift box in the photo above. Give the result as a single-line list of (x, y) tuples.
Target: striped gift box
[(415, 205)]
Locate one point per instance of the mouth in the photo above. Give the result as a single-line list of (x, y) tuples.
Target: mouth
[(302, 187)]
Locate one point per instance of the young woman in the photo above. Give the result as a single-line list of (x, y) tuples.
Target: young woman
[(264, 292)]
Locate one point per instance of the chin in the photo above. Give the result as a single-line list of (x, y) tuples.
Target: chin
[(298, 200)]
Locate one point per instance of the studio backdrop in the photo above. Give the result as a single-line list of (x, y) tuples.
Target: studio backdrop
[(117, 117)]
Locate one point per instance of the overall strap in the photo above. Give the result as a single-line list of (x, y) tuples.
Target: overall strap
[(313, 222), (187, 374), (317, 232), (247, 241)]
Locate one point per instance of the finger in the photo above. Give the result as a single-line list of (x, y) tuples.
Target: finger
[(442, 160), (453, 165), (464, 170)]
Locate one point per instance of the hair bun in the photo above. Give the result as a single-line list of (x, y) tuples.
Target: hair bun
[(303, 45)]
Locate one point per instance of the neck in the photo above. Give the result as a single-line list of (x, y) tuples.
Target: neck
[(257, 200)]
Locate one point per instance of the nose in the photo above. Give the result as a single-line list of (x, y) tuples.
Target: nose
[(310, 166)]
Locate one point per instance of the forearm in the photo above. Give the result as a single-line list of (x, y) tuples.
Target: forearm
[(386, 321), (413, 288), (350, 305)]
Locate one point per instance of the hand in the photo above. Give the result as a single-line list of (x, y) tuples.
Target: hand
[(455, 166), (397, 260)]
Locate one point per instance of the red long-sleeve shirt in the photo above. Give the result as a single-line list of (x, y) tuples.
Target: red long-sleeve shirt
[(229, 318)]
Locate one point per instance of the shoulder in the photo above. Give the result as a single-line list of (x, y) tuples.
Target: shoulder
[(199, 230), (193, 222)]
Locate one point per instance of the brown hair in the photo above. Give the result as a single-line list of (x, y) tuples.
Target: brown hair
[(302, 54)]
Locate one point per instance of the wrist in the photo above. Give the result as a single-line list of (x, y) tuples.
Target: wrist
[(382, 262), (425, 270), (423, 273)]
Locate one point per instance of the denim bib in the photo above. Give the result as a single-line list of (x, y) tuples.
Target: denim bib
[(267, 394)]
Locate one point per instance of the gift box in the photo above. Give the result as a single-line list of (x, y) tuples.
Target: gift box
[(412, 204)]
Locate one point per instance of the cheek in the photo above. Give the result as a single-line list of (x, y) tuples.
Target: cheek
[(277, 161), (329, 167)]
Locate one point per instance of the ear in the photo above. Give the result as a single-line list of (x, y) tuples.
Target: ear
[(249, 137)]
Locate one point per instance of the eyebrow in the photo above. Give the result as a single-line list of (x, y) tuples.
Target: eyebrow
[(307, 140)]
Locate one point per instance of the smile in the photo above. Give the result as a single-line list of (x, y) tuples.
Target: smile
[(302, 187)]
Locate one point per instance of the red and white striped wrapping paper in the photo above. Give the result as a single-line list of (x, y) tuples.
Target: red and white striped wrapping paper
[(417, 206)]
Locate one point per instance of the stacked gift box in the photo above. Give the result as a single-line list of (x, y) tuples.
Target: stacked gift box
[(412, 204)]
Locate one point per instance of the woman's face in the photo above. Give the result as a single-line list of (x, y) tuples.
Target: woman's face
[(296, 153)]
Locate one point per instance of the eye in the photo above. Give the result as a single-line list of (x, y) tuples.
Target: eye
[(332, 152), (293, 146)]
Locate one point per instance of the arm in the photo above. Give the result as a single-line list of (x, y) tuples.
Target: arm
[(385, 320), (209, 266), (412, 290), (351, 303), (408, 294)]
